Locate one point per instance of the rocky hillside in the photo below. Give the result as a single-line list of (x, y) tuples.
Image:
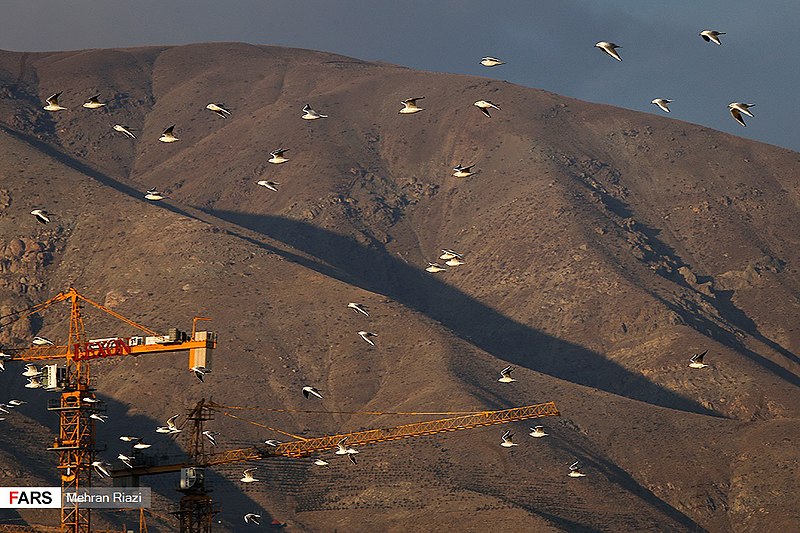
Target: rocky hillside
[(602, 248)]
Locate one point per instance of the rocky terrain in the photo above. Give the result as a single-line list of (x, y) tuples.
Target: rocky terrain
[(603, 247)]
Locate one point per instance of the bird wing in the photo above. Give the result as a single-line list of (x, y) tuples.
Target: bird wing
[(485, 112), (737, 116), (53, 100), (171, 421), (506, 371), (168, 130), (705, 37)]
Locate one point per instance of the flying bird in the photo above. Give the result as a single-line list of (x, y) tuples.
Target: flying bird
[(41, 215), (98, 416), (460, 171), (490, 61), (34, 383), (219, 109), (252, 518), (310, 114), (505, 375), (200, 372), (271, 185), (485, 105), (170, 427), (410, 106), (42, 341), (538, 431), (359, 308), (507, 442), (16, 403), (272, 442), (449, 254), (126, 460), (662, 103), (574, 470), (93, 102), (321, 462), (609, 48), (52, 103), (141, 445), (308, 391), (696, 360), (711, 36), (90, 399), (737, 109), (435, 267), (129, 438), (277, 156), (366, 335), (248, 476), (454, 262), (101, 468), (211, 436), (127, 130), (168, 135), (153, 195), (30, 372), (342, 449)]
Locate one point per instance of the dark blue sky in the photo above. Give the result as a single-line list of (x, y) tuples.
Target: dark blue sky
[(548, 44)]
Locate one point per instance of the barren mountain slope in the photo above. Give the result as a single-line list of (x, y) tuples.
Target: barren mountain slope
[(602, 248)]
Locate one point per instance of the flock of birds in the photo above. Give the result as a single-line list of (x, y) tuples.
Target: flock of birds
[(277, 157)]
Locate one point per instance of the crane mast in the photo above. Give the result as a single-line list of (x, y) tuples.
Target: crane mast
[(75, 443)]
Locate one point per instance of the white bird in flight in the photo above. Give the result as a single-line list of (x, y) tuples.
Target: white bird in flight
[(410, 106), (125, 459), (662, 103), (168, 135), (574, 470), (272, 442), (310, 114), (449, 254), (219, 109), (211, 436), (460, 171), (358, 308), (98, 416), (505, 375), (321, 462), (342, 449), (538, 431), (52, 103), (200, 372), (31, 372), (485, 105), (153, 195), (41, 215), (170, 427), (248, 476), (271, 185), (16, 403), (711, 36), (435, 267), (277, 156), (129, 438), (507, 442), (101, 468), (93, 102), (366, 336), (141, 445), (490, 61), (737, 109), (308, 391), (127, 130), (34, 383), (609, 48), (454, 262), (42, 341), (252, 518), (696, 360), (90, 399)]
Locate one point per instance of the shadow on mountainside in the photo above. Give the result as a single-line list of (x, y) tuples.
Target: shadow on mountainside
[(345, 259)]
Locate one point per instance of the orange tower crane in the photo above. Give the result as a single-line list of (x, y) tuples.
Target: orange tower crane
[(75, 443), (196, 510)]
